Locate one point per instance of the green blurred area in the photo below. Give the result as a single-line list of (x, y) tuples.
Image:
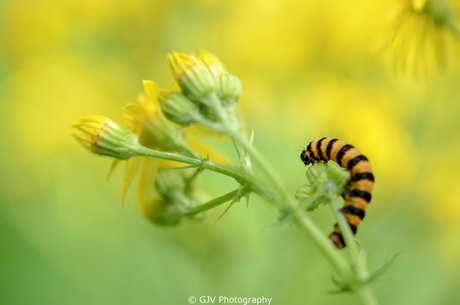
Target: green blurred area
[(308, 70)]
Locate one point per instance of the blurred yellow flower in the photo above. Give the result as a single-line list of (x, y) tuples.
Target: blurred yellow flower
[(421, 31)]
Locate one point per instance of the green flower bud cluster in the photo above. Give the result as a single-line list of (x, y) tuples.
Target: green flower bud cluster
[(207, 91), (176, 196), (153, 129), (195, 79), (325, 181)]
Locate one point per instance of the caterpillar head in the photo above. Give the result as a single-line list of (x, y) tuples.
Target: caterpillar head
[(305, 157)]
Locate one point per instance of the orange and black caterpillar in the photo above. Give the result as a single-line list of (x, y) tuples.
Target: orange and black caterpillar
[(358, 196)]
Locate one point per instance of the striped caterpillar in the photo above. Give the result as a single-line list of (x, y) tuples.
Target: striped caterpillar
[(357, 198)]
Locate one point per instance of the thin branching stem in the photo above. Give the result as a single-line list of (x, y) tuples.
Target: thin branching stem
[(337, 260), (263, 165), (242, 177), (236, 194)]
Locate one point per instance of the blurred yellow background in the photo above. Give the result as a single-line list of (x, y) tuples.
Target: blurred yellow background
[(309, 69)]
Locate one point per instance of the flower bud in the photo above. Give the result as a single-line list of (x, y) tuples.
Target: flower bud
[(104, 137), (305, 196), (162, 211), (194, 77), (149, 123), (229, 87), (167, 182), (325, 182), (176, 198), (177, 107), (213, 64)]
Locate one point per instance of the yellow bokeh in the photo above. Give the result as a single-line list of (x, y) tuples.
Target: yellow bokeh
[(308, 69)]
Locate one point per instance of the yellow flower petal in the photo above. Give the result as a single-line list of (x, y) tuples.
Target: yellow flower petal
[(112, 168), (148, 170), (204, 148), (202, 130), (133, 110), (132, 166), (175, 87), (151, 89), (419, 5), (176, 72), (211, 61)]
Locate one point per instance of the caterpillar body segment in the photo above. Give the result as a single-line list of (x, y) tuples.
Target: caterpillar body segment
[(358, 196)]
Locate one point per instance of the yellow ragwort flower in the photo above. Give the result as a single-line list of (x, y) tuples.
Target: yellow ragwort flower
[(154, 131), (194, 76), (421, 31), (204, 83), (147, 121)]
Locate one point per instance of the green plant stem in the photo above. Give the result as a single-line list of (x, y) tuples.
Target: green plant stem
[(262, 163), (190, 182), (346, 231), (217, 201), (366, 295), (185, 150), (245, 161), (326, 247), (241, 176), (359, 261), (363, 286)]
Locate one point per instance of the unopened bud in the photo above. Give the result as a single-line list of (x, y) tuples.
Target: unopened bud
[(167, 182), (305, 195), (195, 79), (162, 211), (104, 137), (211, 61), (229, 87), (325, 182), (177, 107)]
